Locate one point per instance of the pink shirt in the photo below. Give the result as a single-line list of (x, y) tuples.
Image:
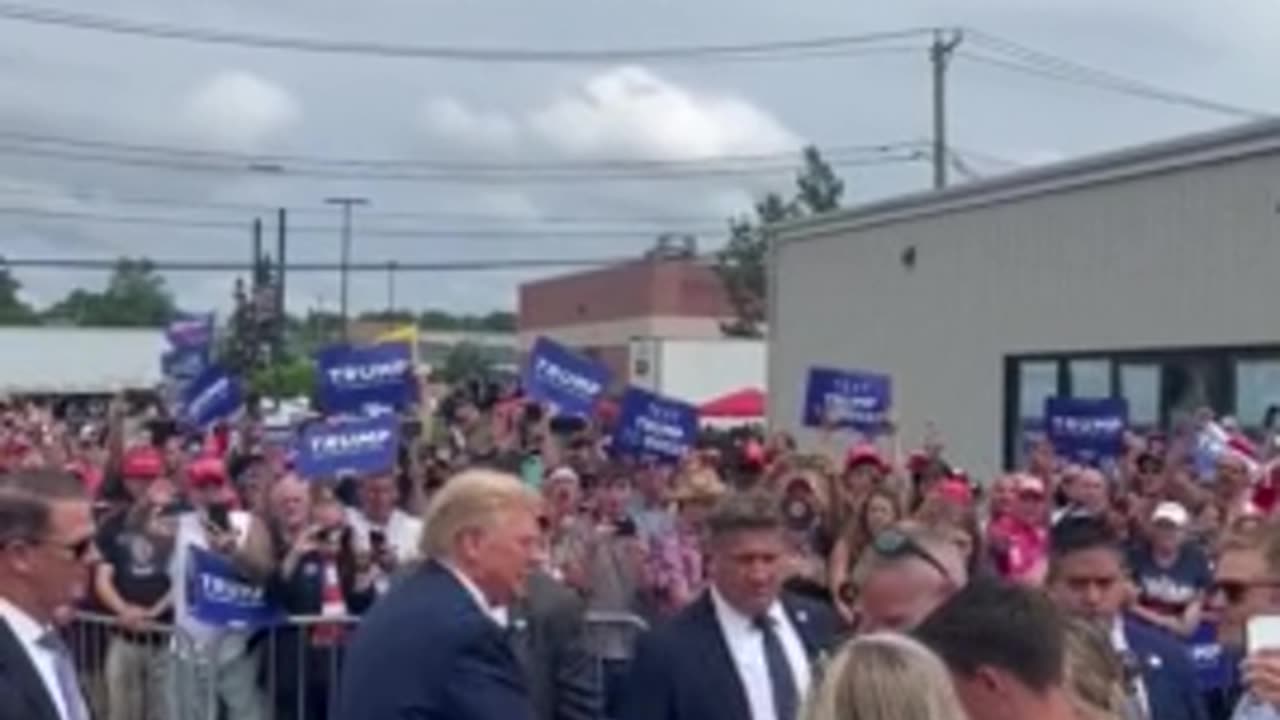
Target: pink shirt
[(1026, 546)]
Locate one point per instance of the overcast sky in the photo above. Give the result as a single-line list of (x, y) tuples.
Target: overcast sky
[(79, 84)]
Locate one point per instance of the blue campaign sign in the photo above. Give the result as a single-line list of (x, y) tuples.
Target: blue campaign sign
[(190, 331), (650, 425), (220, 595), (564, 379), (362, 446), (847, 399), (350, 377), (1086, 430), (211, 397), (184, 363)]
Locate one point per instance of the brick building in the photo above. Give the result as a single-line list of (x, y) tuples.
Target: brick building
[(600, 311)]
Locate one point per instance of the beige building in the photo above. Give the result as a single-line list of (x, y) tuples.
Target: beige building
[(1151, 273)]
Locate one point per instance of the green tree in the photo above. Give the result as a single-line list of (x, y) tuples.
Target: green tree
[(13, 311), (289, 379), (465, 360), (741, 264), (135, 296)]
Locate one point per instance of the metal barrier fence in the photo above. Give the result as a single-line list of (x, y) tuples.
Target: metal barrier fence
[(150, 671)]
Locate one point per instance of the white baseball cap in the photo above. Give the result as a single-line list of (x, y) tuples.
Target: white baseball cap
[(1172, 513)]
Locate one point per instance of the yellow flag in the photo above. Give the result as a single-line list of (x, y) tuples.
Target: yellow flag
[(403, 334)]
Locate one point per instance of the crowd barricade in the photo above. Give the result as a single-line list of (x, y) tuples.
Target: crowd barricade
[(289, 671)]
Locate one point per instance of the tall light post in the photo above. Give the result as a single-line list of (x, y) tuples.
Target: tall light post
[(346, 203)]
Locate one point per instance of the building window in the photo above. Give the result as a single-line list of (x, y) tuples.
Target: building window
[(1140, 387), (1090, 377), (1036, 381), (1257, 385)]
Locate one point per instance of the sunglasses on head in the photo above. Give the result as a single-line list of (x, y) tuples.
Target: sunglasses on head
[(893, 544)]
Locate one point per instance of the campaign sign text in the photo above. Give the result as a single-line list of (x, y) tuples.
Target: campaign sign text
[(362, 447), (847, 399), (190, 332), (220, 595), (650, 425), (184, 363), (351, 377), (564, 379), (1086, 430), (211, 397), (1212, 662)]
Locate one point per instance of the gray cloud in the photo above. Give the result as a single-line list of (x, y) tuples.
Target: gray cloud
[(85, 85)]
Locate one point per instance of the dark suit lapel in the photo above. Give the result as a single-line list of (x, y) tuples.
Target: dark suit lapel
[(16, 667), (722, 680), (520, 634)]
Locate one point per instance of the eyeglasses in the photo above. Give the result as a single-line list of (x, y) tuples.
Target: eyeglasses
[(893, 544), (1235, 590)]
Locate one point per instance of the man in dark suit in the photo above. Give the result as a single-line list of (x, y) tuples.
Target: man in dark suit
[(1088, 578), (744, 650), (46, 551), (435, 647), (548, 634)]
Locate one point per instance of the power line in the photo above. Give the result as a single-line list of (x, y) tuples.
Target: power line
[(286, 161), (776, 49), (438, 176), (171, 265), (469, 233), (1035, 62)]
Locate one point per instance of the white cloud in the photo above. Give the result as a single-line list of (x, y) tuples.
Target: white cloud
[(237, 110), (448, 118), (633, 111), (621, 112)]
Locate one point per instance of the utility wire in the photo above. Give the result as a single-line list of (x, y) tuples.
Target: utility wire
[(170, 265), (471, 233), (435, 176), (1041, 64), (287, 160), (777, 49)]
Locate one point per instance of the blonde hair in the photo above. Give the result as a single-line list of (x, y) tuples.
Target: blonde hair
[(884, 676), (470, 500), (1094, 673)]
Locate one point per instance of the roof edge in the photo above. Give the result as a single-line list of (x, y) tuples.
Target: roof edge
[(1162, 156)]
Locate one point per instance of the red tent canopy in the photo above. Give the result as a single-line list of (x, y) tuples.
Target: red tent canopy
[(744, 403)]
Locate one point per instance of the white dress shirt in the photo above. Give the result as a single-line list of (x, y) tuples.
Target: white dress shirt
[(230, 643), (499, 615), (746, 647), (402, 530), (1121, 645), (28, 632)]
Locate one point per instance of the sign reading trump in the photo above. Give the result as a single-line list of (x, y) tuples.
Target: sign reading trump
[(1086, 430), (653, 426), (362, 447), (847, 399), (563, 379), (351, 378)]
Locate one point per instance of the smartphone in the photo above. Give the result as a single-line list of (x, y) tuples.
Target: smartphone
[(377, 540), (220, 517), (1263, 633)]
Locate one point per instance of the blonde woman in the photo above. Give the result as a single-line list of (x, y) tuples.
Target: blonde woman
[(1096, 675), (884, 676)]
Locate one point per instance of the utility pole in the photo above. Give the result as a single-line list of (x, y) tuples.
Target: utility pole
[(346, 203), (257, 250), (282, 261), (391, 286), (940, 53)]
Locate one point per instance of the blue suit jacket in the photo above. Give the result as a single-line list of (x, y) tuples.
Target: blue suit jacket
[(1173, 690), (683, 669), (426, 652)]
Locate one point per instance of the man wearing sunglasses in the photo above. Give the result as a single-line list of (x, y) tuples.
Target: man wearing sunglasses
[(1247, 585), (46, 552)]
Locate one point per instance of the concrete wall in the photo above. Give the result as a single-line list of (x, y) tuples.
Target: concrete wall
[(1189, 257)]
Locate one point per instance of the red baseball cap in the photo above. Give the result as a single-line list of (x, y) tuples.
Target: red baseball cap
[(142, 463), (207, 471), (864, 454)]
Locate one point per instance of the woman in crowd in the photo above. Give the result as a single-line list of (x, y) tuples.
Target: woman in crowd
[(884, 677), (1095, 675), (674, 566), (881, 510)]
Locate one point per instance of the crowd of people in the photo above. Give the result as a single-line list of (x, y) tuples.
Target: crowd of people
[(509, 566)]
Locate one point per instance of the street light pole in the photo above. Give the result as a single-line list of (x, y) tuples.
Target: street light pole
[(346, 203)]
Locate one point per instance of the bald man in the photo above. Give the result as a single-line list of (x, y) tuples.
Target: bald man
[(904, 575)]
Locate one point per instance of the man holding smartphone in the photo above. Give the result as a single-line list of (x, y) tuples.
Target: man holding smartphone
[(1245, 597), (381, 532)]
